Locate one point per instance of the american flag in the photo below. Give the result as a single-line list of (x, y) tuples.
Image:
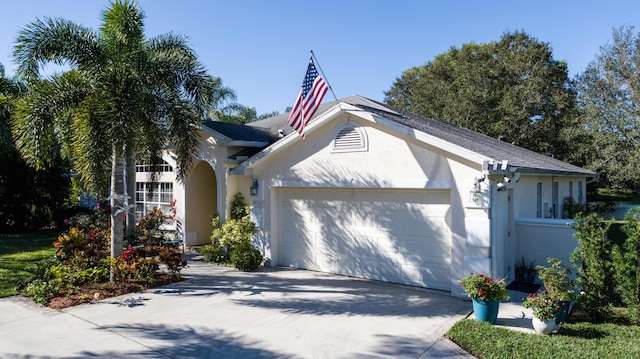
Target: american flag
[(309, 97)]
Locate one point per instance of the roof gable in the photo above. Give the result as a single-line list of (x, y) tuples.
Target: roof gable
[(455, 139)]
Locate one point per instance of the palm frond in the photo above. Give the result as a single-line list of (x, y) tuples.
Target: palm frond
[(55, 40)]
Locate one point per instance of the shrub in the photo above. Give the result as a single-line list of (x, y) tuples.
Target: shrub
[(557, 279), (150, 222), (592, 256), (70, 243), (246, 257), (40, 291), (172, 258), (627, 265), (231, 241)]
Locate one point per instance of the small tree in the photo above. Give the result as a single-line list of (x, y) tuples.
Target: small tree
[(231, 241), (627, 265), (595, 269)]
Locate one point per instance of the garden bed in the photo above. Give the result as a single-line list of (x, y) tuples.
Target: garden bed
[(92, 292)]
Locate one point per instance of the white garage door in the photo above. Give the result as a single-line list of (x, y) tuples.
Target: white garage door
[(399, 236)]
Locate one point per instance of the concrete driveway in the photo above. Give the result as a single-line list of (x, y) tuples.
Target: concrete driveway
[(222, 313)]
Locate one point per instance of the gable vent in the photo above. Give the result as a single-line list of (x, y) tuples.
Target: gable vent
[(349, 138)]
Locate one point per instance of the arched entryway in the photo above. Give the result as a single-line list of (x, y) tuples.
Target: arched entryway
[(201, 202)]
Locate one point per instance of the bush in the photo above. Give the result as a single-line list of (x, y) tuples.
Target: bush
[(557, 280), (172, 258), (231, 241), (246, 257), (592, 256), (40, 291), (627, 265)]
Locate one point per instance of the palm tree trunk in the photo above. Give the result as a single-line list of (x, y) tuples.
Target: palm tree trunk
[(131, 192), (117, 208)]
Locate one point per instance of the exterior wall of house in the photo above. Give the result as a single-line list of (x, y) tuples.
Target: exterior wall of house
[(543, 238), (534, 195), (205, 191), (391, 161), (540, 231)]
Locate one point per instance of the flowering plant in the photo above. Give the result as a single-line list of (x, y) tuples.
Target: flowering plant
[(151, 221), (482, 287), (543, 305)]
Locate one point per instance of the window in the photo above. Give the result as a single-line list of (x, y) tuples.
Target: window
[(579, 192), (150, 195), (556, 204), (539, 202), (161, 167), (349, 137)]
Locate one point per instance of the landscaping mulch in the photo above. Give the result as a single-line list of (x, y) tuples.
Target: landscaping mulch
[(93, 292)]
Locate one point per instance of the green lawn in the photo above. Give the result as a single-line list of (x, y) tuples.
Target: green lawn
[(574, 340), (18, 255)]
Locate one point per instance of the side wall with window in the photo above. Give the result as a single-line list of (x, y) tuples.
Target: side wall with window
[(154, 194), (544, 196)]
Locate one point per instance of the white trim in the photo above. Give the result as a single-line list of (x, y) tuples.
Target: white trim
[(400, 184), (221, 139), (243, 143), (544, 222), (417, 134)]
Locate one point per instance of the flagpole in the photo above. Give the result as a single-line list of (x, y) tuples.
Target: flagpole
[(324, 76)]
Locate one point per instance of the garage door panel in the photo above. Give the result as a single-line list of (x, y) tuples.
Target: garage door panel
[(400, 236), (333, 215)]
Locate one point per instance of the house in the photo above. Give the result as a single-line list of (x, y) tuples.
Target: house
[(377, 193)]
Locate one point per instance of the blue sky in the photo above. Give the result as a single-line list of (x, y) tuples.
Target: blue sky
[(260, 49)]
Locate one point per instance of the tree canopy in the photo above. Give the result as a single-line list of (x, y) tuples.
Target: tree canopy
[(608, 99), (513, 90)]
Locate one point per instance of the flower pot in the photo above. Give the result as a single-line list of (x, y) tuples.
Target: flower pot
[(543, 326), (564, 311), (486, 310)]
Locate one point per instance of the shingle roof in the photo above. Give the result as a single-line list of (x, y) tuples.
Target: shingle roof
[(241, 132), (490, 147)]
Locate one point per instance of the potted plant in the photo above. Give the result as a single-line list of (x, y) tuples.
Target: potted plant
[(486, 294), (545, 309), (559, 285)]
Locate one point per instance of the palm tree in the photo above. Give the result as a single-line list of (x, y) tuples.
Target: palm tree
[(124, 96)]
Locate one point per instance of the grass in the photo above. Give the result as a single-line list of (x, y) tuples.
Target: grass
[(19, 254), (575, 339), (619, 195)]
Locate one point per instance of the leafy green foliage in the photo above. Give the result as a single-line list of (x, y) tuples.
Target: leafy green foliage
[(513, 90), (627, 265), (172, 258), (246, 257), (83, 258), (231, 241), (239, 208), (608, 98), (557, 280), (593, 258)]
